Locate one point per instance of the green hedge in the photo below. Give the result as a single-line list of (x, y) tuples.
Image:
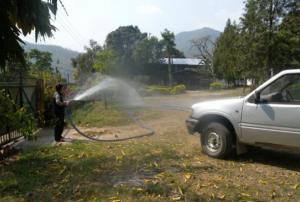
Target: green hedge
[(164, 90), (216, 86), (179, 89), (161, 90)]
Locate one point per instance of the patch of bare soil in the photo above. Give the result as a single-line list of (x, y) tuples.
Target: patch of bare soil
[(167, 121)]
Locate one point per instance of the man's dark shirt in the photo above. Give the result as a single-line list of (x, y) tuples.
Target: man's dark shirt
[(59, 106)]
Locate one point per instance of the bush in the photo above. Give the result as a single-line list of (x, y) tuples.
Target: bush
[(157, 90), (215, 86), (164, 90), (18, 119), (179, 89)]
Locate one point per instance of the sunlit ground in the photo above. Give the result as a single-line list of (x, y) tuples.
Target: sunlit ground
[(168, 166)]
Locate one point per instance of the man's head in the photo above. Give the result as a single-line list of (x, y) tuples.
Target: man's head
[(59, 88)]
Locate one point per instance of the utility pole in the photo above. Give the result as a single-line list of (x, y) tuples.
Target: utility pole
[(68, 78), (170, 71), (56, 68), (271, 18)]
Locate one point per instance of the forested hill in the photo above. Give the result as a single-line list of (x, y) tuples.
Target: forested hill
[(64, 56), (183, 39)]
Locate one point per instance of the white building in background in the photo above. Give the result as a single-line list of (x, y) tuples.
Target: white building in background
[(184, 65), (184, 61)]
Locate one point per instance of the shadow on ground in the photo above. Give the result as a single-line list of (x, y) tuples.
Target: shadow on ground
[(282, 159)]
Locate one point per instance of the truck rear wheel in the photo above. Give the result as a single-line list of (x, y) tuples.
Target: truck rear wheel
[(216, 140)]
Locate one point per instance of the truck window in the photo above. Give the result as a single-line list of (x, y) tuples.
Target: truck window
[(286, 90)]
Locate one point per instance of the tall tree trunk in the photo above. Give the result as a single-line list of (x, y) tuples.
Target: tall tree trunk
[(270, 37)]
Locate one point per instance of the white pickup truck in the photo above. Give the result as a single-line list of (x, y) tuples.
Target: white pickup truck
[(267, 117)]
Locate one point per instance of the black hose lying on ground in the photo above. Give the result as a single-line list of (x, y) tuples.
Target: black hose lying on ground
[(150, 130)]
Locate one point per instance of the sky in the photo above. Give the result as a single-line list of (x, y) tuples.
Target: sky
[(94, 19)]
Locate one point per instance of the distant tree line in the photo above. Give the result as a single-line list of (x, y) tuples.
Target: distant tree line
[(266, 40), (127, 52)]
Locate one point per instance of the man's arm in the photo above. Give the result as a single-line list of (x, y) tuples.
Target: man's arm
[(58, 102)]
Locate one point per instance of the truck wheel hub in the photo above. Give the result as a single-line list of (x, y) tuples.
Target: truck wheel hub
[(213, 142)]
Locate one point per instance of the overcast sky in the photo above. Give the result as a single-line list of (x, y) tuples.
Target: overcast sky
[(94, 19)]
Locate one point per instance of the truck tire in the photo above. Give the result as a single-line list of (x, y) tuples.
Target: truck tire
[(216, 140)]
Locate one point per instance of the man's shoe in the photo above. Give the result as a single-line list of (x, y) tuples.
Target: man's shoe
[(60, 140)]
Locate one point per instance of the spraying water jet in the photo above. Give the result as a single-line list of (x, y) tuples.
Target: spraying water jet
[(127, 99), (121, 92)]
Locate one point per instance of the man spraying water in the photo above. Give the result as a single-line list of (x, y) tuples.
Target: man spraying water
[(123, 94), (59, 109)]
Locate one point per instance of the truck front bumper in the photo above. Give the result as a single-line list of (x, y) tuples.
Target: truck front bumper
[(191, 125)]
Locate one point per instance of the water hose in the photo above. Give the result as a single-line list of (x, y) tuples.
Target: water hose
[(150, 131), (127, 109)]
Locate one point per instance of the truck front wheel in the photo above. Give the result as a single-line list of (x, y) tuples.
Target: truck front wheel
[(216, 140)]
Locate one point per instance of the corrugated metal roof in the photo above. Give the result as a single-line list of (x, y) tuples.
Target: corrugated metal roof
[(184, 61)]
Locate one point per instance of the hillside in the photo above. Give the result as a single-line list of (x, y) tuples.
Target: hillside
[(183, 39), (64, 56)]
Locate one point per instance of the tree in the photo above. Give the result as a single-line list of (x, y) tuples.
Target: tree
[(84, 62), (104, 61), (39, 60), (169, 49), (226, 57), (260, 26), (252, 41), (123, 39), (178, 54), (272, 13), (205, 47), (122, 42), (288, 39), (23, 16), (148, 51), (266, 40)]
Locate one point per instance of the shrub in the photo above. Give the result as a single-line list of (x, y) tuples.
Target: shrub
[(164, 90), (18, 119), (178, 89), (215, 86), (157, 90)]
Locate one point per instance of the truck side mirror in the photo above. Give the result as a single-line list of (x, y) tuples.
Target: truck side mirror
[(257, 96)]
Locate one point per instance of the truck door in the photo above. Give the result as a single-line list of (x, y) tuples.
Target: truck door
[(275, 117)]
